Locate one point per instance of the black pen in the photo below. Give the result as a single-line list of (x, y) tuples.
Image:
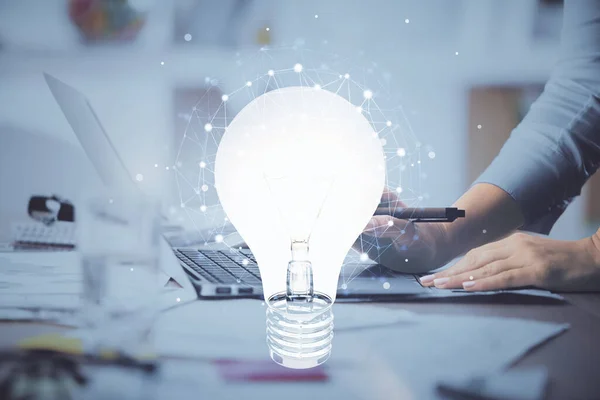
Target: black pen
[(423, 214)]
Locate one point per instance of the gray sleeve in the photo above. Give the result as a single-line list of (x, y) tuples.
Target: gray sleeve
[(556, 148)]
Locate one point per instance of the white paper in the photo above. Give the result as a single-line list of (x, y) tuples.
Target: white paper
[(378, 353), (236, 328), (410, 358), (520, 384), (53, 280)]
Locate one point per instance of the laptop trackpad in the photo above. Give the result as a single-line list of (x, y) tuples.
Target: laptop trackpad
[(376, 279)]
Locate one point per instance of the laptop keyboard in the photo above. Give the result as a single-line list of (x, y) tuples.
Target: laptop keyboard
[(239, 267), (222, 266)]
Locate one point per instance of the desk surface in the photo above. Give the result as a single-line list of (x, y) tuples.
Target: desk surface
[(572, 359)]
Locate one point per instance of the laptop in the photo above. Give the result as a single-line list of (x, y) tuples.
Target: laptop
[(218, 270)]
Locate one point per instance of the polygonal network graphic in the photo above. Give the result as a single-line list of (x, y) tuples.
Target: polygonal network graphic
[(361, 82)]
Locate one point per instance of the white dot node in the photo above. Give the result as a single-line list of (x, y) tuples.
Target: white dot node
[(359, 110), (167, 168), (245, 262), (406, 260), (316, 16), (344, 286), (346, 76), (178, 299), (225, 97), (317, 87), (131, 269), (364, 257), (484, 231), (298, 68), (368, 94), (249, 83), (431, 154), (456, 53), (187, 37), (406, 21), (389, 123), (390, 223), (182, 205), (139, 177), (162, 63), (219, 238), (386, 285), (419, 162), (208, 127), (202, 164), (155, 165), (412, 165), (267, 29), (401, 152), (203, 208), (399, 189), (204, 188), (270, 72), (479, 126)]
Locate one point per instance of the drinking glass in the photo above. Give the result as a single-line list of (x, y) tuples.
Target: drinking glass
[(120, 260)]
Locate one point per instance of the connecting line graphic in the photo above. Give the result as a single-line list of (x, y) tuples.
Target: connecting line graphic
[(273, 68)]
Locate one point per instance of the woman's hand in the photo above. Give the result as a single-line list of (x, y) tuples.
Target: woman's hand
[(402, 245), (525, 260)]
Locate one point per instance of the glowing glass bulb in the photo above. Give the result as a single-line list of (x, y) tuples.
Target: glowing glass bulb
[(314, 169)]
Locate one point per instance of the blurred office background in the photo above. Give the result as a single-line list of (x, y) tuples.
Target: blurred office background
[(466, 71)]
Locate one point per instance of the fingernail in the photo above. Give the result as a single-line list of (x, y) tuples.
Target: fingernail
[(440, 281), (427, 278), (468, 284)]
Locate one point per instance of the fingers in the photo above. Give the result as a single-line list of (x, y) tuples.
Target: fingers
[(389, 198), (386, 226), (388, 195), (505, 280), (473, 260), (458, 281)]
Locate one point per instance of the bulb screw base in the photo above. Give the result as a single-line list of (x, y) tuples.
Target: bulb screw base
[(299, 336)]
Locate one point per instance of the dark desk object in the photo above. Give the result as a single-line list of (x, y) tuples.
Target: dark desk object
[(39, 211), (422, 214)]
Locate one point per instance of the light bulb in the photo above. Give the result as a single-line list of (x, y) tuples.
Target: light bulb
[(299, 174)]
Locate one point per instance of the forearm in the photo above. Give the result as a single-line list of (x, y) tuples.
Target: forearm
[(491, 213)]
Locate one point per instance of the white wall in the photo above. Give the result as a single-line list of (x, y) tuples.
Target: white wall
[(491, 37)]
